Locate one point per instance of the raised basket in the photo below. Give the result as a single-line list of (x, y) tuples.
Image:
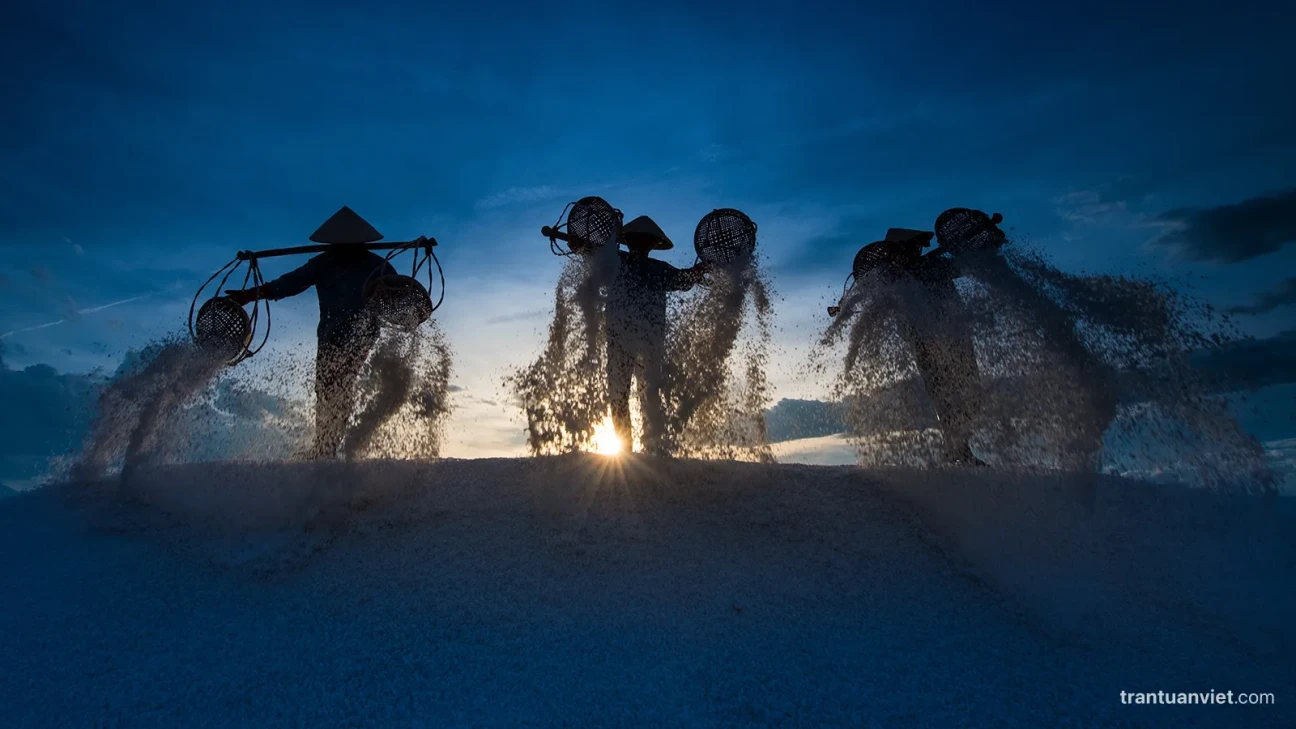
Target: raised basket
[(959, 230), (724, 236), (591, 223), (892, 258)]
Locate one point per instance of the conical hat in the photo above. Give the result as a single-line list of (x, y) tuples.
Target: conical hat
[(346, 227), (644, 226), (907, 235)]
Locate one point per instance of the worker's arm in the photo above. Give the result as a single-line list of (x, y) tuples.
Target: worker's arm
[(938, 269), (290, 284), (835, 310), (683, 279)]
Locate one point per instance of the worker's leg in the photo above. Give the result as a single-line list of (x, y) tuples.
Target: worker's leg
[(653, 381), (1095, 401), (337, 369), (1099, 409), (943, 389), (620, 368), (947, 363)]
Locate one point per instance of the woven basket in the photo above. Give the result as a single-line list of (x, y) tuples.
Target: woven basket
[(724, 236), (591, 223), (401, 302), (959, 230), (223, 328), (889, 257)]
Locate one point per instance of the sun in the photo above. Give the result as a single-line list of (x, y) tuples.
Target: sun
[(606, 440)]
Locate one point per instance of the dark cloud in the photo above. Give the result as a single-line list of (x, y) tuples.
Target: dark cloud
[(1230, 233), (248, 403), (1251, 364), (1284, 295), (793, 419), (46, 413)]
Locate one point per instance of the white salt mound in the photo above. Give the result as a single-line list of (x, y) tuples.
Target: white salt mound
[(578, 591)]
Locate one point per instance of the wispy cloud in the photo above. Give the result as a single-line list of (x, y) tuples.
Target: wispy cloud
[(1119, 203), (517, 316), (1088, 207), (515, 195), (716, 152), (72, 314)]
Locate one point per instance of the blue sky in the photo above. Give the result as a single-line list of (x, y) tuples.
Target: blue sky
[(143, 144)]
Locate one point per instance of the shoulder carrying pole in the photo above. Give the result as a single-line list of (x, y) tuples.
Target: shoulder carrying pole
[(253, 276), (298, 250)]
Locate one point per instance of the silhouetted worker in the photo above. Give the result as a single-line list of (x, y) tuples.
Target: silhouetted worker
[(636, 327), (347, 330), (979, 244), (943, 351)]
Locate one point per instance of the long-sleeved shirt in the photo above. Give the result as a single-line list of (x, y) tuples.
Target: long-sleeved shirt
[(638, 293), (339, 276), (938, 273)]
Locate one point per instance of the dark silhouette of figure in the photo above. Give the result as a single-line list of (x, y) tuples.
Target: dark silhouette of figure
[(978, 240), (636, 327), (347, 330), (944, 353)]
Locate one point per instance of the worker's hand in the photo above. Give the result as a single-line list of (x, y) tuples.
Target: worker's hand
[(242, 297)]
